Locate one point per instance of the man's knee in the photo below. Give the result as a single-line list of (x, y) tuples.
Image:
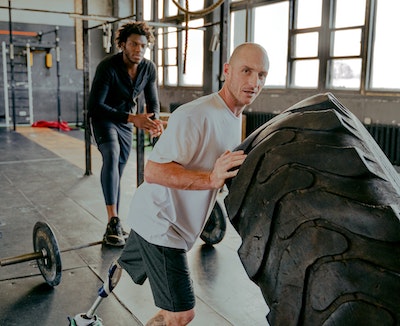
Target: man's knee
[(185, 317), (169, 318)]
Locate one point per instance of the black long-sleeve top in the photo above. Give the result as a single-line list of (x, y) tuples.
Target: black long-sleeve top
[(113, 94)]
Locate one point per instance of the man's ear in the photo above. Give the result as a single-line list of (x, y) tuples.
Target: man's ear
[(226, 69)]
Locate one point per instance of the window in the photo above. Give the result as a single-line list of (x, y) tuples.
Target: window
[(172, 10), (323, 45), (160, 56), (171, 58), (308, 13), (270, 31), (147, 16), (238, 28), (192, 67), (346, 36), (147, 10), (304, 61), (385, 68), (183, 66)]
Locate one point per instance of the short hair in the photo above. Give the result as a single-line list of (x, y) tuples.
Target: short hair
[(139, 28)]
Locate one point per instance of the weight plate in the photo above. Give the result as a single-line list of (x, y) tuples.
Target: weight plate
[(45, 241), (214, 230)]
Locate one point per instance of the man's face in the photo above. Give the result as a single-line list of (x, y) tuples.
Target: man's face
[(245, 76), (134, 48)]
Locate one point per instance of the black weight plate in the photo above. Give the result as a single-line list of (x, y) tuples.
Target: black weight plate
[(214, 230), (45, 241)]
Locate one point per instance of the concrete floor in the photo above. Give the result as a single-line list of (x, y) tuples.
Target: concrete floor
[(42, 178)]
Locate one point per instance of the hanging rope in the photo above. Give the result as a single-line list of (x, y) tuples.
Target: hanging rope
[(202, 12), (186, 36), (189, 13)]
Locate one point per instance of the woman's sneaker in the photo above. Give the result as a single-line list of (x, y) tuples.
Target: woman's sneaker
[(114, 234)]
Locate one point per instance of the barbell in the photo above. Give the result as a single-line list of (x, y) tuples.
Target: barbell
[(46, 253)]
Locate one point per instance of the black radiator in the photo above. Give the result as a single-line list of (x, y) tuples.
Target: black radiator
[(256, 119), (387, 136)]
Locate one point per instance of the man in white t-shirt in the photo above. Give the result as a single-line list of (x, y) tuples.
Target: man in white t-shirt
[(184, 172)]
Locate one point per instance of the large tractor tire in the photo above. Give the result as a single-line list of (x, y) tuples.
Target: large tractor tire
[(316, 203)]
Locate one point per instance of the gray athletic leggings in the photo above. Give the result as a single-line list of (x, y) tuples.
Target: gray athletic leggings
[(114, 141)]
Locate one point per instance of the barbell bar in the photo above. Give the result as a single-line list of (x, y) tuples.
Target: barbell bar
[(46, 253)]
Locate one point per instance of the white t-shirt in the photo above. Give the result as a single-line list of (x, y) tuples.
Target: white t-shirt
[(197, 134)]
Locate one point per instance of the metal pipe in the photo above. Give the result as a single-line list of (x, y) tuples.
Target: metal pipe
[(12, 66), (39, 10), (58, 54), (93, 308), (5, 84), (86, 89)]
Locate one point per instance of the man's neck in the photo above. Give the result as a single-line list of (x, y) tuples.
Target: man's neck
[(130, 67), (230, 102)]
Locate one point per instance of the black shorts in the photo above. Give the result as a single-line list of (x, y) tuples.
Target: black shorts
[(166, 268)]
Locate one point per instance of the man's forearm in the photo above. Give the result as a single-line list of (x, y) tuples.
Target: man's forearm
[(174, 175)]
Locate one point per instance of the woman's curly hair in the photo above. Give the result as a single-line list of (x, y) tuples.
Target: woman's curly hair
[(139, 28)]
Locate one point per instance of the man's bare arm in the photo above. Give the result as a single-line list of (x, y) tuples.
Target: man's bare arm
[(174, 175)]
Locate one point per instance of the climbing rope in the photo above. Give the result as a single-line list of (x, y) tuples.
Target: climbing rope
[(187, 16), (201, 12), (189, 13)]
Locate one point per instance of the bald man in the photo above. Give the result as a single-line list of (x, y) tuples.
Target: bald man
[(184, 172)]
